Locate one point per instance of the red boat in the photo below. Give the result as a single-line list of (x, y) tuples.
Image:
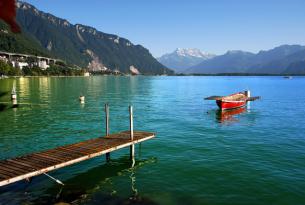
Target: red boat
[(233, 101)]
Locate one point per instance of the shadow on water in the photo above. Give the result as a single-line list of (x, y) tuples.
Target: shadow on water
[(87, 188), (2, 105)]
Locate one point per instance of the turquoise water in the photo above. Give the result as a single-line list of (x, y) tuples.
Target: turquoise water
[(198, 156)]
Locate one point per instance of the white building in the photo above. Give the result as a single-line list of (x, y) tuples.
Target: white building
[(43, 64), (22, 64)]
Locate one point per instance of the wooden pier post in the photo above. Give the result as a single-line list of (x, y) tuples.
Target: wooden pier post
[(107, 128), (132, 148)]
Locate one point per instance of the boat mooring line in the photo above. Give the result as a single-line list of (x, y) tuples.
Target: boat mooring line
[(56, 180)]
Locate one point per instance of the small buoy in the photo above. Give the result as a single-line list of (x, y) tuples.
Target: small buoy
[(13, 96), (82, 99), (13, 93)]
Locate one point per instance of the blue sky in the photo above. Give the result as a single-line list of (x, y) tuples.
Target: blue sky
[(211, 25)]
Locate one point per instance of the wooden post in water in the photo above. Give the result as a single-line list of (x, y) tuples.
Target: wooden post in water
[(132, 148), (248, 94), (107, 128)]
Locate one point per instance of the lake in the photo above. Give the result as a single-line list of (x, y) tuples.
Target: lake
[(253, 156)]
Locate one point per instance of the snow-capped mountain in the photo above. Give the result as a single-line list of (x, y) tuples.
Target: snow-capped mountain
[(284, 59), (195, 52), (183, 58)]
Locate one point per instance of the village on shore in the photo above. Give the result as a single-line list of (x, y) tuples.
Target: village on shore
[(17, 64)]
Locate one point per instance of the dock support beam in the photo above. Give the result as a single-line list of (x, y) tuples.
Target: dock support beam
[(107, 128), (132, 148)]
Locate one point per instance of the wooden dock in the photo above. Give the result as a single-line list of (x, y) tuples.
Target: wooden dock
[(25, 167)]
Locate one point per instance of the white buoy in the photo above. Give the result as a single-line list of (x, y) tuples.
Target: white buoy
[(82, 99), (13, 93), (14, 96)]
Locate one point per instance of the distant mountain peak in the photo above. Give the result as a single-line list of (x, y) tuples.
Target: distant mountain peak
[(194, 52), (183, 58)]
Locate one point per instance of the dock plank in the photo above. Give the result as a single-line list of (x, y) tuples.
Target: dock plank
[(24, 167), (16, 166)]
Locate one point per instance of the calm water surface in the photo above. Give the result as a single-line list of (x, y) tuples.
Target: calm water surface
[(198, 157)]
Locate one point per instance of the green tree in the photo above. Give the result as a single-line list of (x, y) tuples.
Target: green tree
[(14, 71), (4, 68)]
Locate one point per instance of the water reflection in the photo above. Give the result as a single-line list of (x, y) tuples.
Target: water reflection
[(44, 88), (99, 185), (223, 116), (23, 88)]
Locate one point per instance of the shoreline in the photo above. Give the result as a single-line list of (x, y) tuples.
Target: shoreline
[(176, 75)]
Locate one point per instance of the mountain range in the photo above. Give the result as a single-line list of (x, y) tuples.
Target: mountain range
[(80, 45), (183, 58), (285, 59)]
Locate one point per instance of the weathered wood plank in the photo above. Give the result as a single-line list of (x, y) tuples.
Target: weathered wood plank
[(21, 163), (59, 155), (26, 163), (43, 160), (34, 163), (12, 172), (88, 149), (7, 172), (64, 154), (53, 159), (15, 168)]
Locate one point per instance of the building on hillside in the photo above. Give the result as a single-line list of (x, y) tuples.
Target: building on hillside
[(43, 64), (22, 60), (17, 64)]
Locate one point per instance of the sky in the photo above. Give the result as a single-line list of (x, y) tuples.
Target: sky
[(214, 26)]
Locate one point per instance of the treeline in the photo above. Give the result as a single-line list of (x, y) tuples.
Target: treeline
[(53, 70)]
